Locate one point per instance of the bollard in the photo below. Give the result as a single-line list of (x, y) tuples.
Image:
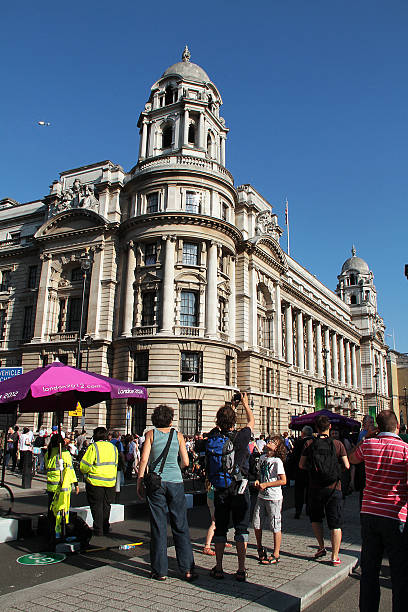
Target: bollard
[(27, 469)]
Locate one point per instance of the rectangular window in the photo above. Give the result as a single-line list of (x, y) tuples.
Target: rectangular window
[(76, 274), (150, 254), (224, 211), (228, 370), (148, 308), (191, 367), (74, 314), (277, 382), (189, 417), (299, 392), (190, 254), (189, 309), (62, 315), (141, 365), (268, 380), (221, 314), (192, 202), (5, 280), (3, 319), (44, 360), (290, 389), (64, 358), (310, 394), (152, 203), (32, 277), (28, 324)]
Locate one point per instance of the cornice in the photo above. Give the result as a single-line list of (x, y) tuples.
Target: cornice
[(69, 234), (178, 218)]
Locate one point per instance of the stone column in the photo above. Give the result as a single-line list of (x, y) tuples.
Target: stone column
[(201, 143), (335, 358), (310, 356), (348, 363), (42, 299), (168, 302), (300, 342), (319, 355), (232, 300), (185, 136), (253, 319), (143, 141), (95, 294), (278, 321), (289, 334), (328, 356), (341, 360), (354, 366), (130, 293), (211, 303), (222, 160)]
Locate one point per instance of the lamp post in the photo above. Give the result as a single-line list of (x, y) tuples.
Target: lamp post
[(406, 407), (325, 353), (86, 263), (89, 340), (376, 389)]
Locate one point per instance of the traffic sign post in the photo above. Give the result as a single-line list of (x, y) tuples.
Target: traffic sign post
[(5, 374)]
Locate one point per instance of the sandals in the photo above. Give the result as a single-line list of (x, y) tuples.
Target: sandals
[(320, 553), (263, 556), (216, 573), (273, 560), (208, 551), (190, 576), (241, 575), (155, 576)]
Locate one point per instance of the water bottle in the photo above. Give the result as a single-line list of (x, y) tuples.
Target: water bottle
[(125, 547)]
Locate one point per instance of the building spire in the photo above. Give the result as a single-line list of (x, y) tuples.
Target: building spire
[(353, 251), (186, 55)]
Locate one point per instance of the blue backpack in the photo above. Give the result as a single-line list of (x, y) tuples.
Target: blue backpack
[(220, 461)]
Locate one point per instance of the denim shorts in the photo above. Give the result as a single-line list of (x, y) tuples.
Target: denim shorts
[(267, 514)]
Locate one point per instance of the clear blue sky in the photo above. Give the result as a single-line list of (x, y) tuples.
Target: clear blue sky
[(315, 96)]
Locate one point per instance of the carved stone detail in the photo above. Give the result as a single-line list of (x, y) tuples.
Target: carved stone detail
[(77, 196)]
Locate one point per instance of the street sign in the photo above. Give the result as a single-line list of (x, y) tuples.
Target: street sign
[(6, 373), (77, 412), (41, 559)]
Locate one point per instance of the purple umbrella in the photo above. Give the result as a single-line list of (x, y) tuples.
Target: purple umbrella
[(59, 387), (299, 422)]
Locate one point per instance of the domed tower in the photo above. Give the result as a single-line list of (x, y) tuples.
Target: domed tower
[(177, 323), (183, 115), (356, 288)]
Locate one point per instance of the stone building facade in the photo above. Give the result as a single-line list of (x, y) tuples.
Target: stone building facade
[(189, 292)]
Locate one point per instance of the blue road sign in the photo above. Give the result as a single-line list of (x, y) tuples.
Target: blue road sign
[(6, 373)]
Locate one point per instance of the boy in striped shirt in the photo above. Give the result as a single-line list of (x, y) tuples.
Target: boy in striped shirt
[(384, 512)]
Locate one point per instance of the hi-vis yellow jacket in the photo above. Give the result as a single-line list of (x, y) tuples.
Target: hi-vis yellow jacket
[(100, 463), (53, 473), (62, 501)]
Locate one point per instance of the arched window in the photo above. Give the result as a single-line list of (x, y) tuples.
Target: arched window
[(352, 280), (210, 145), (353, 299), (167, 137), (169, 95), (191, 134)]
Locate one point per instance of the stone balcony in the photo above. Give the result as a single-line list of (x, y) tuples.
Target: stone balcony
[(71, 336), (189, 162)]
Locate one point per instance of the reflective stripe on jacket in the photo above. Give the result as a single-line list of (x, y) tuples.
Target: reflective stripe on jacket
[(100, 463), (52, 467)]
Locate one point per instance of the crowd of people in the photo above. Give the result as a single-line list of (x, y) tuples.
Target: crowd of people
[(244, 477)]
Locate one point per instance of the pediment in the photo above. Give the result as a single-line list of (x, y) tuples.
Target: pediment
[(270, 248), (148, 277), (190, 277), (71, 221)]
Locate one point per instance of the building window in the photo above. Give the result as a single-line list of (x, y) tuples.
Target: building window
[(139, 419), (189, 417), (76, 274), (170, 95), (228, 370), (224, 211), (268, 380), (32, 277), (5, 280), (148, 300), (167, 137), (62, 315), (3, 319), (290, 389), (191, 367), (141, 365), (191, 134), (353, 299), (190, 254), (222, 305), (189, 309), (310, 394), (150, 254), (152, 205), (44, 360), (63, 358), (277, 382), (28, 324), (299, 393), (74, 314), (192, 202)]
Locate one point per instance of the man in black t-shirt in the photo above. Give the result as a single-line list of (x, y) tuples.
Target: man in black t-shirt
[(234, 501)]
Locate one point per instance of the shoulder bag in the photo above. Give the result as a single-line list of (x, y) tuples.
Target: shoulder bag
[(152, 480)]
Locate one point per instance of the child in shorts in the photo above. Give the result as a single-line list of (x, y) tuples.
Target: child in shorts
[(268, 507)]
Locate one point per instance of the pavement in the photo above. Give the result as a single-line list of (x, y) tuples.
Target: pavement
[(292, 585)]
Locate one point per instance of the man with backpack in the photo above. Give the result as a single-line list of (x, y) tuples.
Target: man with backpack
[(227, 465), (324, 458)]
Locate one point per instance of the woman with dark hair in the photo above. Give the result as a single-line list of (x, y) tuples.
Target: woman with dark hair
[(168, 497)]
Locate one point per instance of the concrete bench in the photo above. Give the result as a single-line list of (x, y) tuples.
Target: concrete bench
[(8, 529), (117, 514)]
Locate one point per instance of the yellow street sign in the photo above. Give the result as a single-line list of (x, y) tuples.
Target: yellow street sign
[(77, 412)]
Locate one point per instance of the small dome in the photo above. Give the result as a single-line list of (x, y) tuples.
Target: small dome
[(356, 264), (187, 70)]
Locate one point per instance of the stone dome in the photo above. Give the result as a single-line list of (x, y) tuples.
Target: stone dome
[(187, 70), (355, 264)]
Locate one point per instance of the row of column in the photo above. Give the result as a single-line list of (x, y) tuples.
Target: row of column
[(340, 365), (168, 295)]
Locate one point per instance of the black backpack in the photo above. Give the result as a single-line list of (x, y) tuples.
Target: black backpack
[(324, 466)]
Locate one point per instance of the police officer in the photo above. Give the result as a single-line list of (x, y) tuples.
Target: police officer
[(99, 467)]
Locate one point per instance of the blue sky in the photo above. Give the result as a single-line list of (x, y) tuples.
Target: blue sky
[(315, 96)]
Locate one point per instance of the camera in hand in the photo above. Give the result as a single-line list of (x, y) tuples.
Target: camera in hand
[(236, 397)]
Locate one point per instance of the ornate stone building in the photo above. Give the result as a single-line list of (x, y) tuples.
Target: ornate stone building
[(190, 292)]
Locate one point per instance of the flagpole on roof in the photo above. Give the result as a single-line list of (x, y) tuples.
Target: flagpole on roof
[(287, 224)]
